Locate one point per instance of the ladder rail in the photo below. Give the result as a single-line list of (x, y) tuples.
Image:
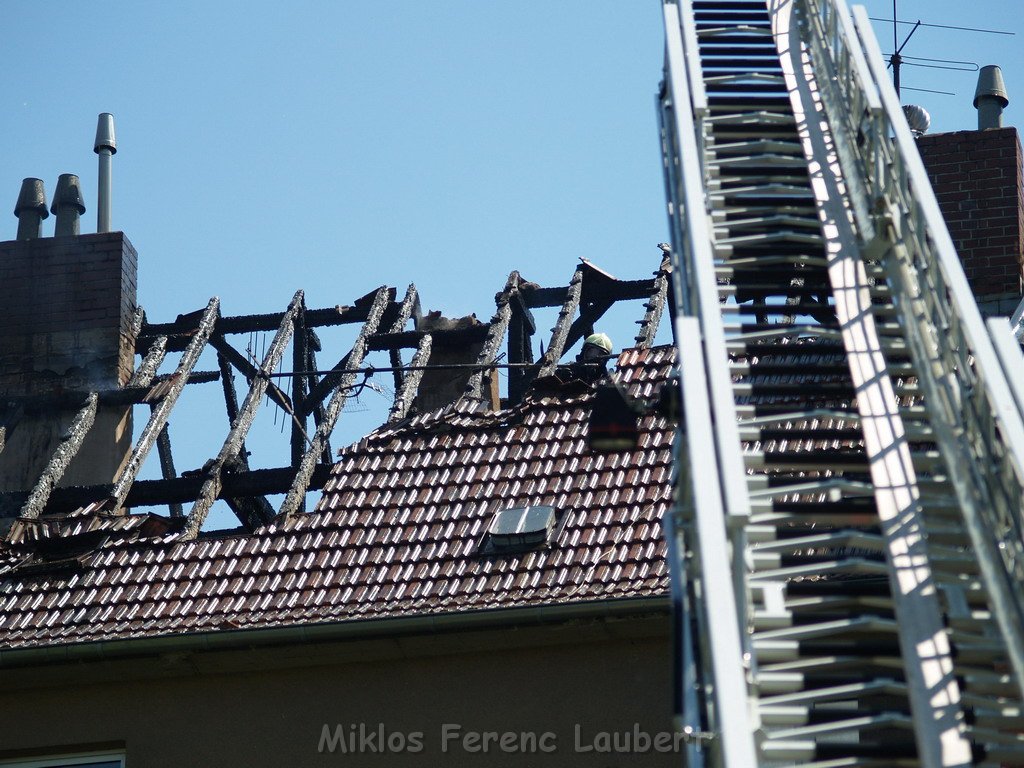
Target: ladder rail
[(713, 513), (933, 691), (977, 424)]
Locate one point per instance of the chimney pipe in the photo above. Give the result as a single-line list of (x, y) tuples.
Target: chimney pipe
[(67, 205), (990, 98), (105, 146), (31, 209)]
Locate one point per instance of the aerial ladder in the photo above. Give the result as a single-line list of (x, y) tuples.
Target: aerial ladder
[(847, 549)]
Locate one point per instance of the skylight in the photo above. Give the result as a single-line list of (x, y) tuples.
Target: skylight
[(520, 528)]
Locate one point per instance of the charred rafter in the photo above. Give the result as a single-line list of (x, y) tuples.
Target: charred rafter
[(654, 307), (617, 290), (243, 508), (331, 379), (250, 371), (159, 415), (521, 328), (560, 332), (495, 336), (212, 484), (66, 450), (297, 493), (317, 409), (406, 393), (409, 304)]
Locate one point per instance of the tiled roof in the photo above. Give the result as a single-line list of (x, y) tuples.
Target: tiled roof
[(397, 532)]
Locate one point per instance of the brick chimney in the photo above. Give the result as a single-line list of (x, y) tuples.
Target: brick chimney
[(977, 178), (65, 326)]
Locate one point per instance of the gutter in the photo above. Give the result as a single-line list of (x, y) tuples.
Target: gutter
[(360, 629)]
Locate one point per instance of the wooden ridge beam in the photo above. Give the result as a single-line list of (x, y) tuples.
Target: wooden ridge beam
[(178, 331), (615, 290)]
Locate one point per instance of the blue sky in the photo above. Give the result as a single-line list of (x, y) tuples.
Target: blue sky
[(339, 146)]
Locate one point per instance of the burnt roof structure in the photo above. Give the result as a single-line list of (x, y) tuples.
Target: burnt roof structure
[(402, 526), (449, 360)]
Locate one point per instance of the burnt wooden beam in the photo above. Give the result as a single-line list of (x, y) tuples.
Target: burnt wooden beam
[(583, 325), (318, 408), (654, 308), (147, 369), (138, 322), (167, 471), (300, 355), (521, 328), (66, 450), (178, 331), (406, 393), (615, 290), (561, 330), (247, 506), (405, 310), (297, 493), (175, 491), (244, 508), (71, 398), (495, 336), (212, 483), (247, 369), (159, 414)]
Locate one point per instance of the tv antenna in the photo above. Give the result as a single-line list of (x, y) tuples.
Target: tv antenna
[(897, 59)]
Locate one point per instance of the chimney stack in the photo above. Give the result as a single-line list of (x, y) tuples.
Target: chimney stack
[(990, 98), (68, 313), (105, 146), (31, 209), (67, 205)]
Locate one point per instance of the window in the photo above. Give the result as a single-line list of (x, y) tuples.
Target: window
[(519, 529)]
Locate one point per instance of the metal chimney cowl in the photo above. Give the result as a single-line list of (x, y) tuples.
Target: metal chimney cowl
[(31, 209), (990, 97)]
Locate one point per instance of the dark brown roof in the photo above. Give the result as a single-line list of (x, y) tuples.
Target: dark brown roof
[(397, 532)]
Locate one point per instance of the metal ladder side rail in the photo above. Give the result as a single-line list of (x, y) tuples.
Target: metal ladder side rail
[(977, 426), (692, 245), (780, 743), (935, 698), (709, 413), (860, 83)]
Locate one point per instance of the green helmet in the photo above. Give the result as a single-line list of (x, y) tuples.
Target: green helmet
[(600, 340)]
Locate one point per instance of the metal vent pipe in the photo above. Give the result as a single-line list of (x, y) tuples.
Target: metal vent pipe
[(67, 205), (105, 146), (31, 209), (990, 97)]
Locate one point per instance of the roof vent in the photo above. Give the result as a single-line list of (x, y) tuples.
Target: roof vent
[(990, 97), (917, 118), (520, 528)]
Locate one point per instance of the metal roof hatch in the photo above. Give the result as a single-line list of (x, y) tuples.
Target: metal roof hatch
[(520, 528)]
